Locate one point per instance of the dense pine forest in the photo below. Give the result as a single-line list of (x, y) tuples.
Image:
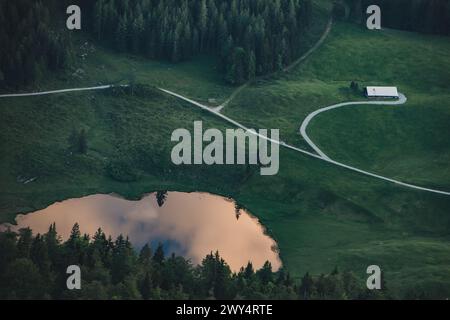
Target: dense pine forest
[(252, 37), (31, 42), (34, 267)]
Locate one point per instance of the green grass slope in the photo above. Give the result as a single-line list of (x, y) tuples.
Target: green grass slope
[(384, 139), (320, 215), (409, 143)]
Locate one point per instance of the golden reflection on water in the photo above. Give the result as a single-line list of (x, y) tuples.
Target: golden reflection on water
[(197, 223)]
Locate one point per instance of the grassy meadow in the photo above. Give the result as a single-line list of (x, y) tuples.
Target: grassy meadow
[(320, 215)]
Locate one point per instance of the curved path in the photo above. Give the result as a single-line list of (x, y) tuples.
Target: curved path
[(401, 100), (285, 69), (281, 143), (328, 160), (313, 48)]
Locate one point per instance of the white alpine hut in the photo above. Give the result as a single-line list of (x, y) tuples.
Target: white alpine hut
[(382, 92)]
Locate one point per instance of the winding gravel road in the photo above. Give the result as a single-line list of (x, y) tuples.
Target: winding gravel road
[(326, 159), (288, 68), (402, 100), (281, 143)]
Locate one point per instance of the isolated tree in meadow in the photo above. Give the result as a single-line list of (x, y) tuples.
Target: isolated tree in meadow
[(78, 141), (354, 86), (335, 271)]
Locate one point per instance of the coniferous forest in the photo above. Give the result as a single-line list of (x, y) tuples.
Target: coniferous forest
[(31, 41), (34, 267), (252, 37), (249, 37)]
